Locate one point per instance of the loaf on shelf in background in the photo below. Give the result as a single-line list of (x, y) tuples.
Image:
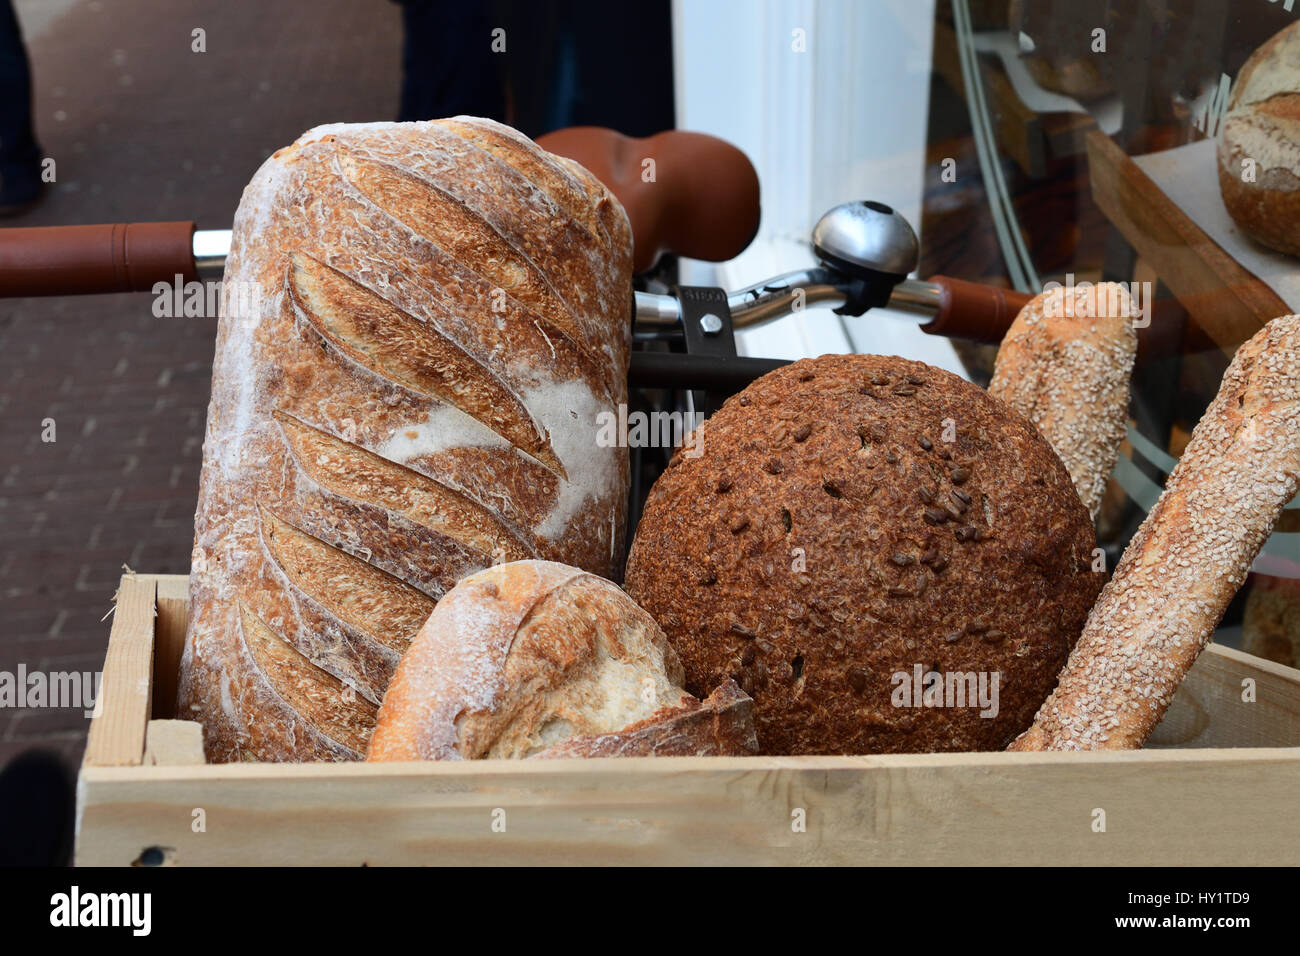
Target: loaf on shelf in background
[(1259, 144), (1065, 364), (854, 525), (538, 659), (1056, 40), (425, 321)]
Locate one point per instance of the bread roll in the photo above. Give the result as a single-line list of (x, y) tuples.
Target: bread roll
[(1188, 558), (537, 659), (1063, 59), (423, 322), (1065, 364), (1262, 126), (853, 517)]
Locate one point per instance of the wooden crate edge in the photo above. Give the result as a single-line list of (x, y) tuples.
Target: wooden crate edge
[(469, 771), (1168, 807), (125, 704)]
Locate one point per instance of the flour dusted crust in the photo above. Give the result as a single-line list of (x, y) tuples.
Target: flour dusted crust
[(1065, 364), (1263, 125), (1187, 560), (721, 725), (539, 659), (423, 322)]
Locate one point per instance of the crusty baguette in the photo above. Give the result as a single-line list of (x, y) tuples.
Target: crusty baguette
[(423, 323), (1065, 364), (1187, 560), (526, 657)]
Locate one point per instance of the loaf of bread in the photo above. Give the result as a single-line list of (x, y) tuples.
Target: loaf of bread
[(1061, 57), (1270, 626), (852, 519), (423, 322), (1065, 364), (1259, 144), (538, 659), (1188, 558)]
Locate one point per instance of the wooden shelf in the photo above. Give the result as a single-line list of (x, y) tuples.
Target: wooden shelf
[(1227, 302), (1031, 138)]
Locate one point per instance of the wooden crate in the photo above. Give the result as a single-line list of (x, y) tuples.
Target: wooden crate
[(1217, 786)]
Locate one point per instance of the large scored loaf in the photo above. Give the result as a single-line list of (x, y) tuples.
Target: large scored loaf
[(423, 323)]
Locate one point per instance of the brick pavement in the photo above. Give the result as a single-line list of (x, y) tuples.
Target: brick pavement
[(141, 128)]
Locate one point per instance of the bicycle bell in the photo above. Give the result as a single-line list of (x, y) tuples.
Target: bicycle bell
[(869, 243)]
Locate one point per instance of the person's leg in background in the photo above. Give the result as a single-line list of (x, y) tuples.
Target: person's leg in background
[(588, 63), (582, 62), (448, 67), (20, 157)]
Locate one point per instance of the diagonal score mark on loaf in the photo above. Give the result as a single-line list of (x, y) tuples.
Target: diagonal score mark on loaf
[(348, 587), (394, 345), (543, 171), (449, 224), (330, 706), (353, 472)]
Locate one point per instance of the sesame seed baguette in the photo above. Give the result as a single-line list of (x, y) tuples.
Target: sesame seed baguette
[(1065, 364), (1187, 560)]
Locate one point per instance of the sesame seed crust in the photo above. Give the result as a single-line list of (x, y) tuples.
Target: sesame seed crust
[(1187, 560), (1065, 364)]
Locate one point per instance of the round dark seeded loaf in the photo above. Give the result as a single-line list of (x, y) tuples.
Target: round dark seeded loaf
[(850, 518)]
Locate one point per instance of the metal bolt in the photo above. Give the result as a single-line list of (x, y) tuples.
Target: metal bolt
[(710, 323)]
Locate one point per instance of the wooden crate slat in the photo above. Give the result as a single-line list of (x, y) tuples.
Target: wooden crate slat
[(1209, 710), (169, 639), (1161, 808), (126, 693), (173, 743)]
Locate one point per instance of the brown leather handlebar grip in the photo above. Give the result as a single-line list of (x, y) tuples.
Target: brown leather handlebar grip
[(969, 310), (687, 193), (84, 260)]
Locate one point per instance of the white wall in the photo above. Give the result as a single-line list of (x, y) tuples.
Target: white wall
[(35, 16), (844, 119)]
